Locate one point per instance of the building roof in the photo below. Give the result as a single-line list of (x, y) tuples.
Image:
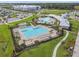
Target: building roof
[(12, 19), (63, 21)]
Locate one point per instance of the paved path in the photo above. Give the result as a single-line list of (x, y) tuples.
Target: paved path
[(76, 48), (58, 45), (16, 20)]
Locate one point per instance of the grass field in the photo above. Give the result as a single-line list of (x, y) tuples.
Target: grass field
[(23, 20), (70, 40), (42, 50), (54, 11), (6, 41)]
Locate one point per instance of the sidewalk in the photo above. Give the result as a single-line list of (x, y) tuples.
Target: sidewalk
[(58, 45)]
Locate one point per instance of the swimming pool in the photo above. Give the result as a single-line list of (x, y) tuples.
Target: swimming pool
[(30, 31), (46, 20)]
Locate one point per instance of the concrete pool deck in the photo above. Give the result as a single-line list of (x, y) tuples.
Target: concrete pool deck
[(39, 38), (47, 20)]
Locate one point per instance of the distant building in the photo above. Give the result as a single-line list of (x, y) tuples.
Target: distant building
[(26, 7)]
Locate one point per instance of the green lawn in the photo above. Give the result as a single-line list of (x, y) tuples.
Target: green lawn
[(70, 40), (54, 11), (42, 50), (23, 20), (5, 41)]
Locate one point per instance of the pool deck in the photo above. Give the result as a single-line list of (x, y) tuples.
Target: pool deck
[(52, 33), (40, 38)]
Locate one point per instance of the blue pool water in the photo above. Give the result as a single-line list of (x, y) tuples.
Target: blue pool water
[(45, 19), (30, 31)]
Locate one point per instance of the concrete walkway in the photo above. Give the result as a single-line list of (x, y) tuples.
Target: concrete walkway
[(58, 45), (76, 48)]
